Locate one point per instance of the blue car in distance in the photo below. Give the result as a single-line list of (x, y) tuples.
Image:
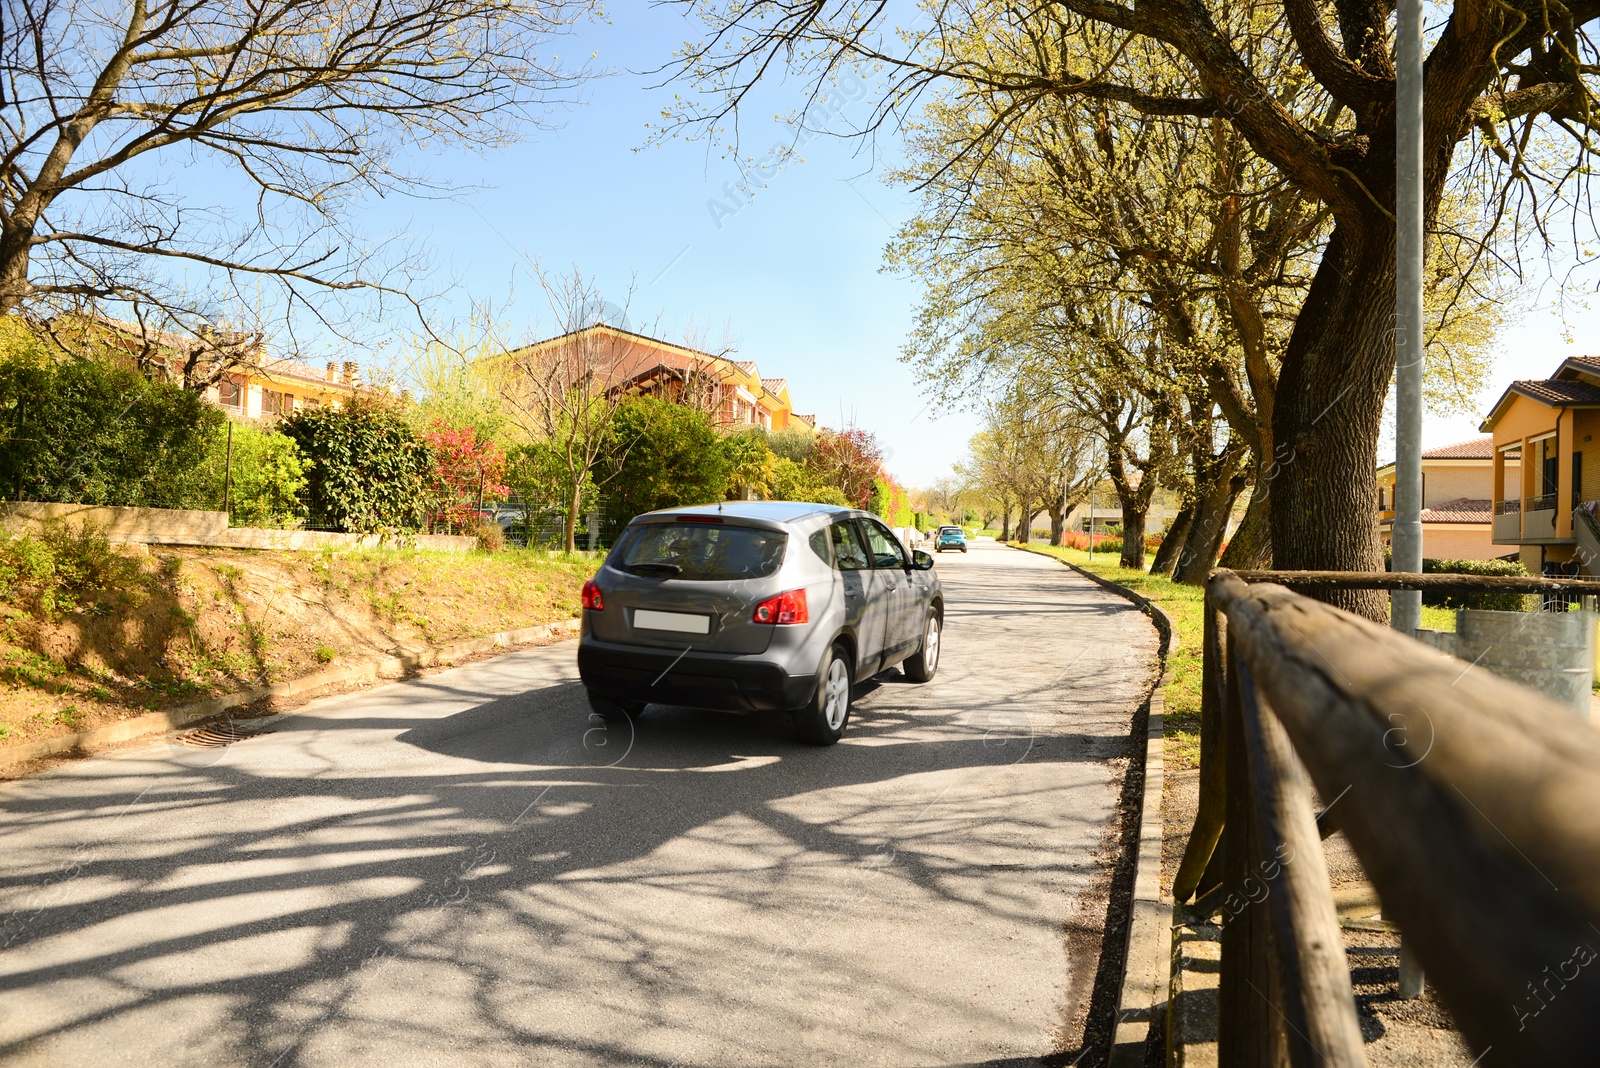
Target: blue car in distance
[(950, 538)]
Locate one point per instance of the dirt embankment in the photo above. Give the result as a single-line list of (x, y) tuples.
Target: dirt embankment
[(131, 631)]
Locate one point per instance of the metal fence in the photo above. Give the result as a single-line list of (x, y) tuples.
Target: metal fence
[(1472, 803)]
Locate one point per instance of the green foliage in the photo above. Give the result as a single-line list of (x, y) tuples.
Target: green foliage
[(368, 470), (63, 570), (87, 432), (1499, 602), (749, 459), (791, 443), (269, 474), (539, 475), (665, 455)]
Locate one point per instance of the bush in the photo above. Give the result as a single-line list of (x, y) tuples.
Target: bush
[(88, 432), (62, 569), (1499, 602), (491, 539), (269, 475), (665, 455), (466, 471), (368, 470)]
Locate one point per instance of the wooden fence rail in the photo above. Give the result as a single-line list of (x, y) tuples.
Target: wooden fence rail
[(1472, 803)]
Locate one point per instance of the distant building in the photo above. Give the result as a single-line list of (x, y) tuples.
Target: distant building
[(1457, 492), (255, 385), (732, 392)]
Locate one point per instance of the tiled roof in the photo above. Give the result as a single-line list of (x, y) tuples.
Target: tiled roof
[(774, 385), (1557, 393), (1589, 364), (1476, 449), (302, 371), (1460, 510), (747, 366), (808, 420)]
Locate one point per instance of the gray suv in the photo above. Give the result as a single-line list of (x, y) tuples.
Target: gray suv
[(756, 607)]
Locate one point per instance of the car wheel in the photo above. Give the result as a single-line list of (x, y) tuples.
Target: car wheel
[(606, 708), (822, 721), (921, 666)]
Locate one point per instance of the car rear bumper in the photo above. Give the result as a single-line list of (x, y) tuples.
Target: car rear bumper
[(719, 681)]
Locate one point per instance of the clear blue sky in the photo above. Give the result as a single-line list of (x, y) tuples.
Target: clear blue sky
[(792, 276)]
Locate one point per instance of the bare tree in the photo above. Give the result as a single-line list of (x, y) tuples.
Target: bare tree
[(561, 394), (113, 117)]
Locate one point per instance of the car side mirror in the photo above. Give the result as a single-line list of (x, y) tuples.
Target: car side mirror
[(921, 561)]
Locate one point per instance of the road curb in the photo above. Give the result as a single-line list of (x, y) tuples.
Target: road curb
[(1147, 962), (365, 672)]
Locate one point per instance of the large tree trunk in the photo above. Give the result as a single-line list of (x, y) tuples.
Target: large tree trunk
[(1250, 548), (1335, 372), (1005, 521), (1058, 520), (1025, 523), (1133, 534), (1173, 540), (1213, 507)]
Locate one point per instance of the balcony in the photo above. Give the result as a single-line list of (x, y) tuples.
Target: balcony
[(1539, 518), (1508, 521)]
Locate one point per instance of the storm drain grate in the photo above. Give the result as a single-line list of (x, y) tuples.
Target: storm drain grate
[(215, 736)]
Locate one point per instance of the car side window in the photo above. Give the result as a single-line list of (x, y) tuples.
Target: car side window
[(819, 545), (848, 551), (886, 551)]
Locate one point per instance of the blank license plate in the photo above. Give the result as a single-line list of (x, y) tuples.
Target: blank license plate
[(678, 622)]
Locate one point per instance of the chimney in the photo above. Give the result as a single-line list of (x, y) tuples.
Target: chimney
[(352, 373), (333, 371)]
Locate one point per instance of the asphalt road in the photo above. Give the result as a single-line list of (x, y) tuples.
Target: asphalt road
[(462, 869)]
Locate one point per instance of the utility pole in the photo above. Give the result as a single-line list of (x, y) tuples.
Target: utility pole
[(1405, 606), (227, 477)]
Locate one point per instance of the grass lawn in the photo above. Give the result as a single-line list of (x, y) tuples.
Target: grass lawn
[(1185, 605), (91, 633)]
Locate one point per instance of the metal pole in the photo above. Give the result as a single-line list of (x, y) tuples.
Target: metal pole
[(1405, 607), (1405, 612), (1091, 523), (227, 477)]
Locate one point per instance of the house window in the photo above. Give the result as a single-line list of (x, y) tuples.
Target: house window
[(230, 392), (271, 402)]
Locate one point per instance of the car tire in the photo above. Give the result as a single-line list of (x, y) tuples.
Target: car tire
[(822, 720), (606, 708), (921, 665)]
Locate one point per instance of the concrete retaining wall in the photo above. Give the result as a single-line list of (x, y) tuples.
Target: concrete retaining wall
[(1552, 652), (171, 526)]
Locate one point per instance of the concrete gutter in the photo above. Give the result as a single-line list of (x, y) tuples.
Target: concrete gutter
[(1147, 962), (355, 674)]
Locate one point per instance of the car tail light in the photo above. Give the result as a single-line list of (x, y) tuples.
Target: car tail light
[(787, 607), (591, 596)]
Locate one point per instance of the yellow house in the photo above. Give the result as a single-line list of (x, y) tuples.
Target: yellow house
[(1457, 499), (255, 385), (268, 388), (1547, 468)]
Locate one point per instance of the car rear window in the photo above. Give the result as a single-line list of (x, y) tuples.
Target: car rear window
[(706, 552)]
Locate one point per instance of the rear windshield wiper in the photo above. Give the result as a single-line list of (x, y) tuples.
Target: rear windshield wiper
[(669, 569)]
